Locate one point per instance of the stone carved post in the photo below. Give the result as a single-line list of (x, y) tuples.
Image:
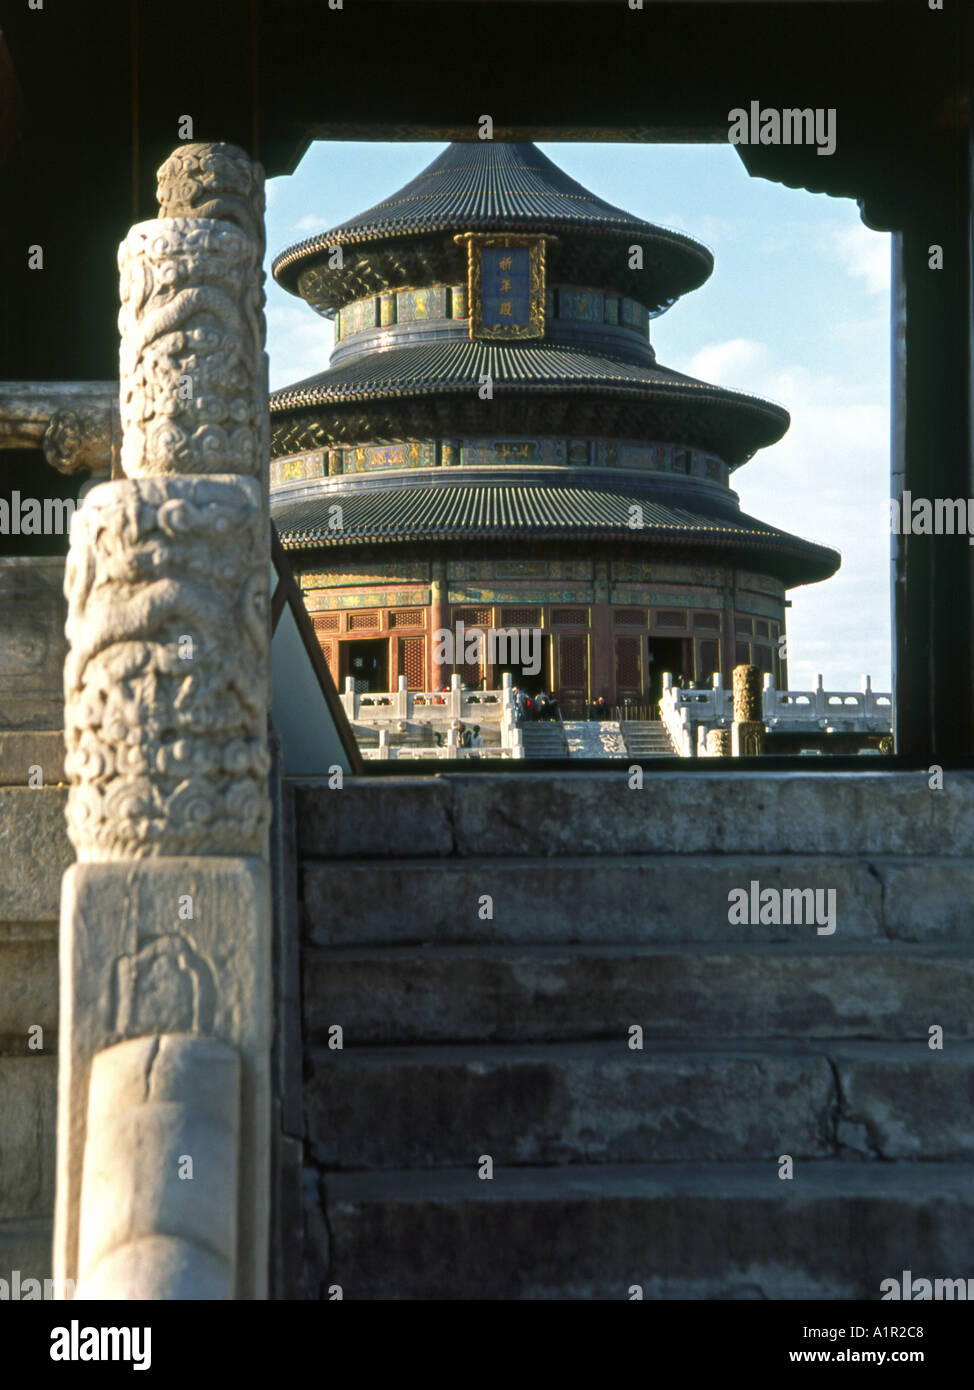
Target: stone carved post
[(747, 730), (152, 1226), (718, 743), (165, 918)]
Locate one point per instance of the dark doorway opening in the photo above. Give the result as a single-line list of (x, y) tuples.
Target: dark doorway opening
[(530, 680), (367, 663), (665, 654)]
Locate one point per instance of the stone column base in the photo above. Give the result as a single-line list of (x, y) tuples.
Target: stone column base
[(747, 738), (159, 1192), (160, 946)]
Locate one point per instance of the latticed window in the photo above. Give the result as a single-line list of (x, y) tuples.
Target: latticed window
[(406, 617), (573, 662), (577, 617), (325, 622), (628, 667), (671, 617), (471, 673), (472, 617), (761, 656), (412, 662), (328, 650), (630, 617), (710, 621), (358, 621), (742, 654), (521, 617)]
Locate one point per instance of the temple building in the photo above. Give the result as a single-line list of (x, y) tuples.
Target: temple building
[(495, 444)]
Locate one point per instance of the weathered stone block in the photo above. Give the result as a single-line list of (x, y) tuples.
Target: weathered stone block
[(555, 993), (567, 814), (367, 818), (28, 1115), (36, 851), (31, 757), (907, 1100), (568, 1103), (28, 986), (32, 642), (698, 1231), (929, 901), (26, 1246), (134, 963), (618, 898)]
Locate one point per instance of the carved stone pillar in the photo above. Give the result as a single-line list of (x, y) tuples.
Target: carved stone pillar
[(747, 730), (165, 927), (165, 720), (747, 693), (718, 743)]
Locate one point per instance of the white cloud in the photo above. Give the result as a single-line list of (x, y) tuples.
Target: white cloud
[(311, 223), (865, 254), (828, 481), (299, 341), (724, 363)]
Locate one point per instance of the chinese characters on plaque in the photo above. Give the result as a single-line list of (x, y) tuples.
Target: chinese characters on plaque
[(506, 278)]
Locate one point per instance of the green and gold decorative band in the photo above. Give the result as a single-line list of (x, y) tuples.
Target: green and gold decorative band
[(638, 456)]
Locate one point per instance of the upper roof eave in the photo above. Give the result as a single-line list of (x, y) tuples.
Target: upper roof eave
[(499, 187)]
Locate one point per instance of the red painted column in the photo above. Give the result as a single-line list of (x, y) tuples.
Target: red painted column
[(602, 675), (439, 612)]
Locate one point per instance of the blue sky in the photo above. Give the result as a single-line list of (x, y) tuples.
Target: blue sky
[(797, 310)]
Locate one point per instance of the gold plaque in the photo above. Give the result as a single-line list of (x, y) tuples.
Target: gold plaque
[(506, 285)]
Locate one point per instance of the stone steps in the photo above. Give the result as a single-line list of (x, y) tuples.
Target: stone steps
[(678, 1231), (576, 813), (545, 739), (647, 738), (594, 738), (603, 1102), (652, 898), (511, 993), (508, 1035)]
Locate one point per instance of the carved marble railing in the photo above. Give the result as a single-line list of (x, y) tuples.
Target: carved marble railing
[(425, 706), (865, 709), (385, 751), (690, 714), (165, 1017), (76, 423), (443, 711)]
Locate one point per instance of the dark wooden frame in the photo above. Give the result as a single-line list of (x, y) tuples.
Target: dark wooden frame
[(272, 75)]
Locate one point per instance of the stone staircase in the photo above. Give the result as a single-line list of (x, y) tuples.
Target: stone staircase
[(647, 738), (488, 944), (594, 738), (544, 739)]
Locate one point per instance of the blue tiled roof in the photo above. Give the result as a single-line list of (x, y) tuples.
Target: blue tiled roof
[(494, 186), (456, 366), (467, 511)]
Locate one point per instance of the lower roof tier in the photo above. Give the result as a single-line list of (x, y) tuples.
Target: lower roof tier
[(540, 512), (393, 393)]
